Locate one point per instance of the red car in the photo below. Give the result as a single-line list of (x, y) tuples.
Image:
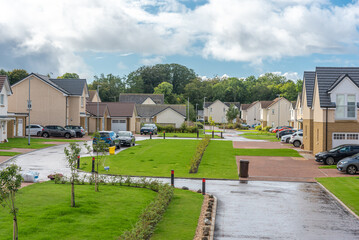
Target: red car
[(280, 129)]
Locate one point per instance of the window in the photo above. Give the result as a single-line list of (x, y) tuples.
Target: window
[(82, 101), (224, 109), (272, 111), (210, 109), (346, 106), (339, 136), (352, 136), (2, 99)]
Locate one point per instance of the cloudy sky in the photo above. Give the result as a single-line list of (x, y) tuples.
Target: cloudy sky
[(233, 37)]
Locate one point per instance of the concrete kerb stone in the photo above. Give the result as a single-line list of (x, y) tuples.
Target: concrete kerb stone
[(339, 201), (213, 222)]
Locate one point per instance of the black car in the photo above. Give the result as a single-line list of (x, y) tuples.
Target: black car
[(336, 154), (57, 131), (285, 132), (149, 129), (80, 132)]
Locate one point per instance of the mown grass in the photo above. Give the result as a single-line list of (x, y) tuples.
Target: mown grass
[(158, 157), (186, 135), (328, 167), (181, 217), (35, 143), (45, 212), (344, 188), (258, 135), (9, 154), (282, 152)]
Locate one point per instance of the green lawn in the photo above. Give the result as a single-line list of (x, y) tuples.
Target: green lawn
[(181, 217), (158, 157), (45, 212), (35, 143), (282, 152), (10, 154), (344, 188), (186, 135), (209, 131), (260, 136), (328, 167)]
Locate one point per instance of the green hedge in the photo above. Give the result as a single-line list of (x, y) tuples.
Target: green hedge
[(182, 129), (196, 159)]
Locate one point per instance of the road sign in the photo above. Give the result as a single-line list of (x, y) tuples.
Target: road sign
[(29, 104)]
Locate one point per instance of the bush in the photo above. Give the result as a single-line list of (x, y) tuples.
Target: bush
[(196, 159), (267, 128), (258, 128)]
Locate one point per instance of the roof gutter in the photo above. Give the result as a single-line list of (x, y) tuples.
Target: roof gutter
[(326, 130)]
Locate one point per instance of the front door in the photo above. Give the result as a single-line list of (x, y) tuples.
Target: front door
[(19, 127)]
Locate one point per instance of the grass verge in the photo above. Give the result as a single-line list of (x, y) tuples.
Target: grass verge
[(158, 157), (260, 136), (9, 154), (344, 188), (181, 218), (45, 212), (282, 152), (35, 143), (328, 167), (187, 135)]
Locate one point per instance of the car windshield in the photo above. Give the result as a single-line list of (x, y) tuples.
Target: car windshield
[(335, 149), (124, 134), (147, 125), (106, 135)]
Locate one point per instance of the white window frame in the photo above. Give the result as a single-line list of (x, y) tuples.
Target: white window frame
[(346, 107), (2, 99), (82, 102)]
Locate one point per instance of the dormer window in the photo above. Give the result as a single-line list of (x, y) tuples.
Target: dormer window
[(345, 106)]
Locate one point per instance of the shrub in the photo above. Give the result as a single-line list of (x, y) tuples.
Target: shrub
[(196, 159), (266, 128), (258, 128)]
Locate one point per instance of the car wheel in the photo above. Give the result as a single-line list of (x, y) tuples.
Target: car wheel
[(45, 135), (38, 134), (351, 169), (296, 143), (67, 135), (141, 133), (329, 161), (118, 146), (287, 140)]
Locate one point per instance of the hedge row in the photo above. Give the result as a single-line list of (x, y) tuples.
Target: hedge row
[(196, 159), (182, 129), (145, 227)]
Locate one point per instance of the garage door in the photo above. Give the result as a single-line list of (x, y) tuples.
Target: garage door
[(345, 138), (119, 125)]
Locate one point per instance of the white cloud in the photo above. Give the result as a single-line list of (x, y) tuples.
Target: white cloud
[(121, 65), (48, 33), (289, 75)]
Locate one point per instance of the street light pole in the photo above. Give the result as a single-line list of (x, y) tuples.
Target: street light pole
[(29, 108), (98, 109), (196, 112), (204, 118), (278, 109)]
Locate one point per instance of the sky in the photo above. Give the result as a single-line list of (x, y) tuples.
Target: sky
[(235, 38)]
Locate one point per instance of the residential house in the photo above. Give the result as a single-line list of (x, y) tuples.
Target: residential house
[(243, 111), (5, 119), (93, 96), (307, 100), (334, 108), (293, 114), (263, 112), (163, 114), (140, 98), (218, 110), (53, 101), (253, 113), (298, 124), (112, 116), (277, 113)]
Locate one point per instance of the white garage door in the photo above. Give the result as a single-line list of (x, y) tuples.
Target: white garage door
[(345, 138), (118, 125)]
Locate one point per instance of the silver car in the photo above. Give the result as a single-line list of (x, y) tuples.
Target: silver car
[(349, 165), (35, 129), (126, 138)]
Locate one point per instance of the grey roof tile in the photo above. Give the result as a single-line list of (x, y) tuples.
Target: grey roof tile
[(308, 78), (72, 86), (139, 98), (150, 110)]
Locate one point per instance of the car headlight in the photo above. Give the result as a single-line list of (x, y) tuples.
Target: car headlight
[(343, 162)]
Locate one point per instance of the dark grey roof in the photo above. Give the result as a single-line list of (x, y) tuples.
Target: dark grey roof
[(308, 79), (3, 81), (151, 110), (139, 98), (237, 104), (329, 77), (72, 86)]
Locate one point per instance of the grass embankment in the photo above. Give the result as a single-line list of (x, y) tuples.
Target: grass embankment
[(45, 212), (282, 152), (181, 218), (35, 143), (187, 135), (158, 157), (258, 135), (344, 188)]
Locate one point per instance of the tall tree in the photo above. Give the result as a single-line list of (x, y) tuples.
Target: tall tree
[(165, 88), (110, 87), (69, 76), (17, 75)]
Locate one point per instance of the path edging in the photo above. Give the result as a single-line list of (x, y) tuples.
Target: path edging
[(213, 222), (339, 201)]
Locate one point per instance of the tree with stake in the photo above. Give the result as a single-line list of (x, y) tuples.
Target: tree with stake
[(100, 147), (71, 156), (232, 113), (10, 182)]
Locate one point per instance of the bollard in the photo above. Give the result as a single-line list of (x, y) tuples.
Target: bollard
[(197, 133), (78, 162), (93, 164), (212, 133), (164, 135), (221, 134), (203, 186), (243, 168), (172, 178), (150, 135)]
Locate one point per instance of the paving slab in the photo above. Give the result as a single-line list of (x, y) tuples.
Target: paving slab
[(264, 145)]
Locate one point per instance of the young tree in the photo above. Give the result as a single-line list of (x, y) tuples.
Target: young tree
[(69, 76), (71, 156), (232, 113), (101, 149), (10, 182)]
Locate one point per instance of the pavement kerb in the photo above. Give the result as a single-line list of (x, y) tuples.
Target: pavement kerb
[(339, 201), (213, 222)]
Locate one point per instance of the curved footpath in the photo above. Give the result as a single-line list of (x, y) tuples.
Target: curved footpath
[(250, 210)]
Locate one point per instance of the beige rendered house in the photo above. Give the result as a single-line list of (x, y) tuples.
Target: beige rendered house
[(307, 100), (334, 108), (298, 124), (293, 114), (218, 110), (243, 112), (93, 96), (54, 101), (253, 113), (277, 113)]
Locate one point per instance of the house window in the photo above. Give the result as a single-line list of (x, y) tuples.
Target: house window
[(272, 111), (346, 108), (82, 101), (2, 99), (339, 136), (210, 109), (352, 136), (224, 109)]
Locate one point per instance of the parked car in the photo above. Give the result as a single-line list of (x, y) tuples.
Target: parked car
[(245, 125), (281, 129), (296, 139), (57, 131), (285, 138), (35, 130), (148, 129), (80, 132), (336, 154), (285, 132), (349, 165), (126, 138), (255, 125), (109, 137)]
